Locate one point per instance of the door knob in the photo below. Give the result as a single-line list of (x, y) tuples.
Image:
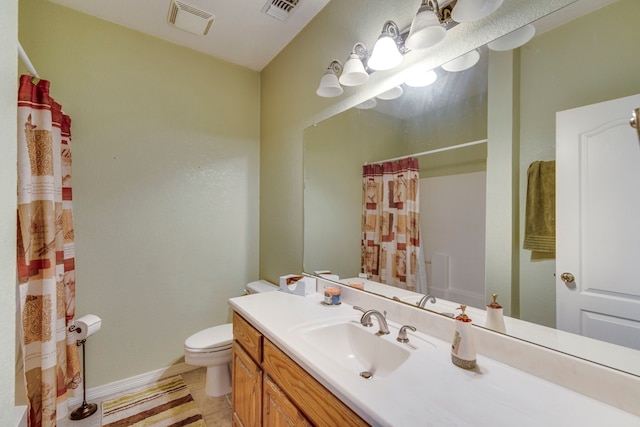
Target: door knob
[(568, 278), (635, 120)]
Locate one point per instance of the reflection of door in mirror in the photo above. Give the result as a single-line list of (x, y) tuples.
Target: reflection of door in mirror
[(598, 158)]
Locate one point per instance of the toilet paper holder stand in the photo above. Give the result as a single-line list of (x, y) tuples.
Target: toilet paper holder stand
[(86, 409)]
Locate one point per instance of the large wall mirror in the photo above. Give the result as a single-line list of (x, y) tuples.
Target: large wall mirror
[(582, 54)]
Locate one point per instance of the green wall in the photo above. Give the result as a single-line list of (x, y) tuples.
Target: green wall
[(166, 149), (334, 152)]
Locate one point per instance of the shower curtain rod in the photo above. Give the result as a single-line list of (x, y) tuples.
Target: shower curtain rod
[(437, 150), (27, 62)]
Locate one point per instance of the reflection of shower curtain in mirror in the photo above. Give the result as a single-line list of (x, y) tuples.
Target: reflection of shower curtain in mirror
[(45, 251), (390, 222)]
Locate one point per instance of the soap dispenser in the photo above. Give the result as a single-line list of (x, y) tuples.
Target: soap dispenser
[(495, 316), (463, 349)]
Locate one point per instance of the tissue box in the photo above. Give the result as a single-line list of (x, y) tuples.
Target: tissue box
[(297, 284)]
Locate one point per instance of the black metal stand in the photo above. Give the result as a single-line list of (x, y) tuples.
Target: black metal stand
[(86, 409)]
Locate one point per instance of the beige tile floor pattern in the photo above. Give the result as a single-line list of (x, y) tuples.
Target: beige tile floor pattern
[(216, 411)]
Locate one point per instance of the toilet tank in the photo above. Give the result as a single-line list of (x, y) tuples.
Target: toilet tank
[(260, 286)]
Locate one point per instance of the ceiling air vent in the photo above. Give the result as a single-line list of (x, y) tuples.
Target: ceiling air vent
[(189, 18), (280, 9)]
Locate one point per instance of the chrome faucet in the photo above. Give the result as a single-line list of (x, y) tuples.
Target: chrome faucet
[(424, 299), (383, 327)]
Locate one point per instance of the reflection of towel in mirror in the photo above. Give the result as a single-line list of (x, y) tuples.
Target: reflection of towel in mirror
[(540, 214)]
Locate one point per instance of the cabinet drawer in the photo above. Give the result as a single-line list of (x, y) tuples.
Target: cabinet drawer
[(248, 337), (318, 404)]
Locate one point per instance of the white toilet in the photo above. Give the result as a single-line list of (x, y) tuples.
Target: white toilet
[(212, 348)]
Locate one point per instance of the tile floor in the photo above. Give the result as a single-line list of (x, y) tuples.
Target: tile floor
[(216, 411)]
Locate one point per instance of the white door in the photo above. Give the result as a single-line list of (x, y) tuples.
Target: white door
[(598, 222)]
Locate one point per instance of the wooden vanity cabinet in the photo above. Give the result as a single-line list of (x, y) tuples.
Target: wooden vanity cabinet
[(246, 374), (246, 395), (270, 389)]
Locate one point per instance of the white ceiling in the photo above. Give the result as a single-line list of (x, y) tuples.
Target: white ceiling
[(240, 33)]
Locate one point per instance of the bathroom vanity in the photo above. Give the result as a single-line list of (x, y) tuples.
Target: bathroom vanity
[(299, 362), (263, 378)]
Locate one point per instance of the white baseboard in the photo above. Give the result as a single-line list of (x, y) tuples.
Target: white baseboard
[(100, 392)]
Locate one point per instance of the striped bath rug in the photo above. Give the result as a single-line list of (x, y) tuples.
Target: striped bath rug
[(166, 403)]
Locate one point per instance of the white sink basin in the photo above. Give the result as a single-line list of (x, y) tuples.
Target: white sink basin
[(357, 348)]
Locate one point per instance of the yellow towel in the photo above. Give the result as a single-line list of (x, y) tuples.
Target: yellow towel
[(540, 214)]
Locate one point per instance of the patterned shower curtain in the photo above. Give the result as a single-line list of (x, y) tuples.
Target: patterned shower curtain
[(45, 243), (390, 222)]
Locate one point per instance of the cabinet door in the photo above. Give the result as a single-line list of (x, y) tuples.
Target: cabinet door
[(246, 398), (321, 407), (278, 410)]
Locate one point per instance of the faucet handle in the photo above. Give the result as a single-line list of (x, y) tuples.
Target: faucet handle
[(424, 299), (368, 322), (402, 334)]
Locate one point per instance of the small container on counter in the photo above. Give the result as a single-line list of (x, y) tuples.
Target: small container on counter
[(463, 349), (331, 295)]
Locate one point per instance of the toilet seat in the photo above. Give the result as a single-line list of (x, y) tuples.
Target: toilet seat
[(217, 338)]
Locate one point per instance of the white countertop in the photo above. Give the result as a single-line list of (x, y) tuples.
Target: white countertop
[(605, 353), (427, 390)]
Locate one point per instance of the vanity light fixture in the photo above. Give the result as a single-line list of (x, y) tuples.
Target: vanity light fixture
[(426, 29), (422, 79), (353, 73), (472, 10), (386, 52), (463, 62), (329, 85)]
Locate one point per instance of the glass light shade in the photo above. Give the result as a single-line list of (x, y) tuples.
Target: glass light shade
[(329, 85), (425, 31), (463, 62), (514, 39), (472, 10), (393, 93), (422, 79), (353, 73), (385, 55), (367, 105)]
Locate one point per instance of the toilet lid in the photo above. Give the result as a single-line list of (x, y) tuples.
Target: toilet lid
[(217, 336)]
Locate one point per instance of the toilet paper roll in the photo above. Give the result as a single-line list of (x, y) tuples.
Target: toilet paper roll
[(87, 326)]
